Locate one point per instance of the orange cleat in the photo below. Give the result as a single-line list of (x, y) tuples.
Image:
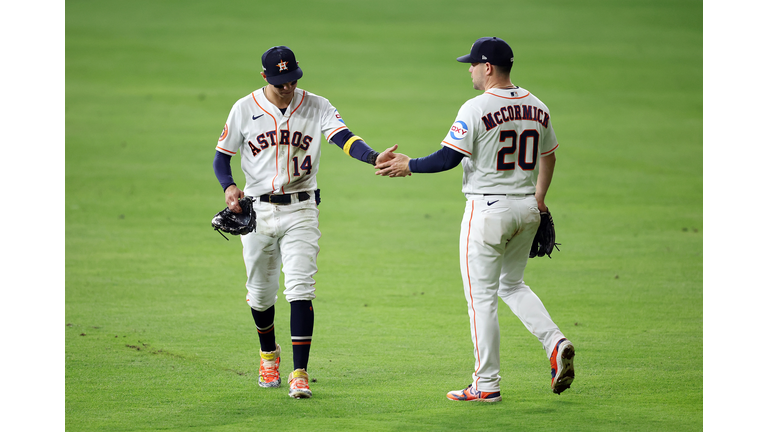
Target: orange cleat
[(269, 369), (299, 382), (473, 395)]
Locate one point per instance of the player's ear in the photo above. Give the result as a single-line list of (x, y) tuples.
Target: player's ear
[(263, 75)]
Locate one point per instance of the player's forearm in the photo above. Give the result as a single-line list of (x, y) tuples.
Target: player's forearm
[(223, 170), (546, 171), (355, 147), (441, 160)]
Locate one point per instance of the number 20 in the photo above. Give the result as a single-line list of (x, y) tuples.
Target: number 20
[(528, 137)]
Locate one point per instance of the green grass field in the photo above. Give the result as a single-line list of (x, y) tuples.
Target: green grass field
[(157, 333)]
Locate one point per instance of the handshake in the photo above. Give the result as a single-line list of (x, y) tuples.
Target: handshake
[(391, 164)]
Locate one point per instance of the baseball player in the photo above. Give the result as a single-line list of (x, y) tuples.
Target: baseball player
[(506, 144), (278, 131)]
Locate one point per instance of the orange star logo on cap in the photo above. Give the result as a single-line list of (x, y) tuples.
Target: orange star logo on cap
[(282, 65)]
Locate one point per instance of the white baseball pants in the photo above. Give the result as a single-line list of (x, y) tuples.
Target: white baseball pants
[(496, 236), (286, 235)]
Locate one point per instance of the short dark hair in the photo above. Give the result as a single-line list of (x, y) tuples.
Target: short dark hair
[(504, 70)]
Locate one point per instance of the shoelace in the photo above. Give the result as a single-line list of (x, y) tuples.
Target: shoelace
[(300, 383), (269, 370)]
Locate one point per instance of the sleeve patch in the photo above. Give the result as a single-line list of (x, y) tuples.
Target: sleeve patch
[(224, 133), (459, 130)]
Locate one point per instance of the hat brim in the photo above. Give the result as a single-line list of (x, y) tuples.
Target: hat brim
[(467, 59), (284, 78)]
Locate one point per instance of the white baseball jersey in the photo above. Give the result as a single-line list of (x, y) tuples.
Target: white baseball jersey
[(280, 153), (503, 132)]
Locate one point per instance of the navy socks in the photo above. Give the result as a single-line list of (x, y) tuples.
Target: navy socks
[(302, 325), (265, 324)]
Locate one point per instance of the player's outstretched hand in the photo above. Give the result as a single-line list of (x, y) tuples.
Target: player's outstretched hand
[(232, 195), (396, 167), (387, 155)]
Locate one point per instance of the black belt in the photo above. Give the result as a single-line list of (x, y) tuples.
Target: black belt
[(283, 199)]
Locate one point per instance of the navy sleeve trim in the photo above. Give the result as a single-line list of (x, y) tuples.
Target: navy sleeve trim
[(358, 148), (442, 160), (223, 170)]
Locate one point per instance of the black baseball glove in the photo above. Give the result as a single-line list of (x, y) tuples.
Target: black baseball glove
[(544, 241), (236, 223)]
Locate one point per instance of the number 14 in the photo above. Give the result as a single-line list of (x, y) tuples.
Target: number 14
[(306, 165)]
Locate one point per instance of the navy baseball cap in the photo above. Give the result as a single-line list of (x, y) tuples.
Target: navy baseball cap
[(280, 65), (489, 50)]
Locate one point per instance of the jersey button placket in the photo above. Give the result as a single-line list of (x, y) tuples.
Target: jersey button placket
[(283, 171)]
